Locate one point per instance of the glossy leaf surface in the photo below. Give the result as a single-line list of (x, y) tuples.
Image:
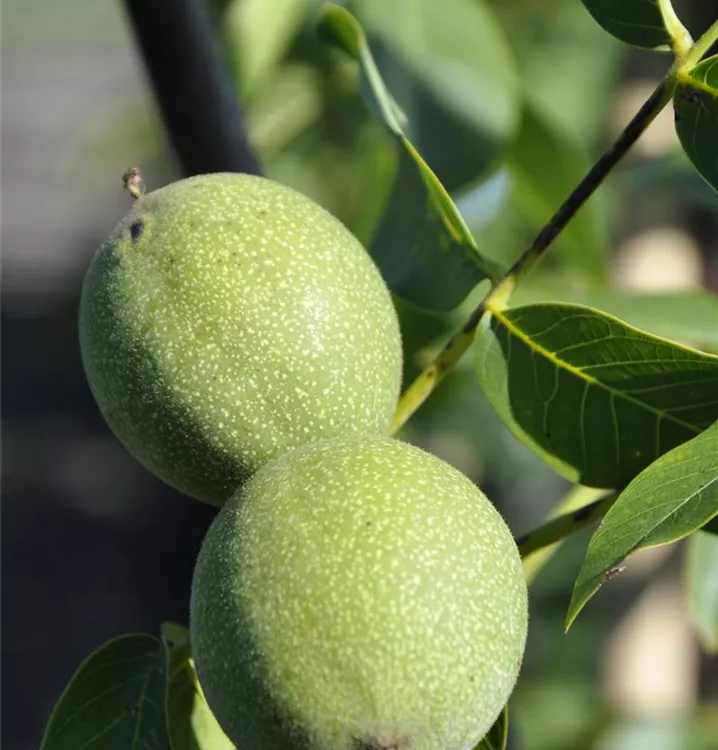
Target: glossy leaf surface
[(671, 499), (599, 400), (695, 103), (422, 246), (690, 316), (642, 23), (115, 700)]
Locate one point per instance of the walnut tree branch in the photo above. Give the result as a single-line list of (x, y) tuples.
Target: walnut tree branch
[(193, 89)]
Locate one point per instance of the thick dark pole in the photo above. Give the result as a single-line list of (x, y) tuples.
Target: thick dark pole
[(196, 97)]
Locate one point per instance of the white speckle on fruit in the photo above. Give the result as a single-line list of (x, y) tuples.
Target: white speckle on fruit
[(243, 322), (325, 602)]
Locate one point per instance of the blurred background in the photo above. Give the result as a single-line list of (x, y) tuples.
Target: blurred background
[(509, 101)]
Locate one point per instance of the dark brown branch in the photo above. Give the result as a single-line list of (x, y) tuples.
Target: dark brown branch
[(195, 94)]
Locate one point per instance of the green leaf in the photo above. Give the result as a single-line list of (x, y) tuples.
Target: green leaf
[(669, 500), (566, 39), (702, 587), (547, 163), (672, 176), (422, 246), (643, 23), (498, 735), (259, 33), (289, 103), (695, 104), (190, 721), (176, 637), (452, 73), (711, 527), (598, 399), (686, 316), (114, 700), (192, 725)]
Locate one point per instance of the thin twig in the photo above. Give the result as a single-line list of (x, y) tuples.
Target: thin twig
[(562, 526), (425, 383)]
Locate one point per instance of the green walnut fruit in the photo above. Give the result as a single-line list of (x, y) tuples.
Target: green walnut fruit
[(358, 593), (229, 319)]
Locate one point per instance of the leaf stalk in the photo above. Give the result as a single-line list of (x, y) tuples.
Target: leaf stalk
[(498, 296), (557, 529), (695, 53)]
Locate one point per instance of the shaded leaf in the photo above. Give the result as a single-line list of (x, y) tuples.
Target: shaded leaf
[(423, 248), (702, 587), (498, 735), (673, 175), (686, 316), (598, 399), (695, 104), (643, 23), (669, 500), (114, 700), (547, 163), (451, 70), (566, 39), (712, 526)]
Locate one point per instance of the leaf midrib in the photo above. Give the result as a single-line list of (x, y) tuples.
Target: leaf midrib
[(644, 534), (561, 364)]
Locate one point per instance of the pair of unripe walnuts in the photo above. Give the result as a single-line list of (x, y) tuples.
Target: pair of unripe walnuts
[(353, 591)]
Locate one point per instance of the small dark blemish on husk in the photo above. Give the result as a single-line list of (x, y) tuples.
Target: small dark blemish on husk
[(136, 229)]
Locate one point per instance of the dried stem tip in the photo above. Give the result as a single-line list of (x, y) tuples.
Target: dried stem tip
[(133, 182)]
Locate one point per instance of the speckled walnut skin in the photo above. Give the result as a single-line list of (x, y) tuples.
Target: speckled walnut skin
[(229, 319), (358, 593)]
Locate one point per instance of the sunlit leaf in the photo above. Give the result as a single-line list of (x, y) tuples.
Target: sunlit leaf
[(498, 735), (176, 637), (190, 722), (115, 700), (284, 108), (259, 33), (598, 399), (482, 203), (702, 587), (422, 246), (451, 70), (669, 500), (695, 103), (643, 23), (687, 316)]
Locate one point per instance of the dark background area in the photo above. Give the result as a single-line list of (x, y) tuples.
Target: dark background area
[(92, 545)]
